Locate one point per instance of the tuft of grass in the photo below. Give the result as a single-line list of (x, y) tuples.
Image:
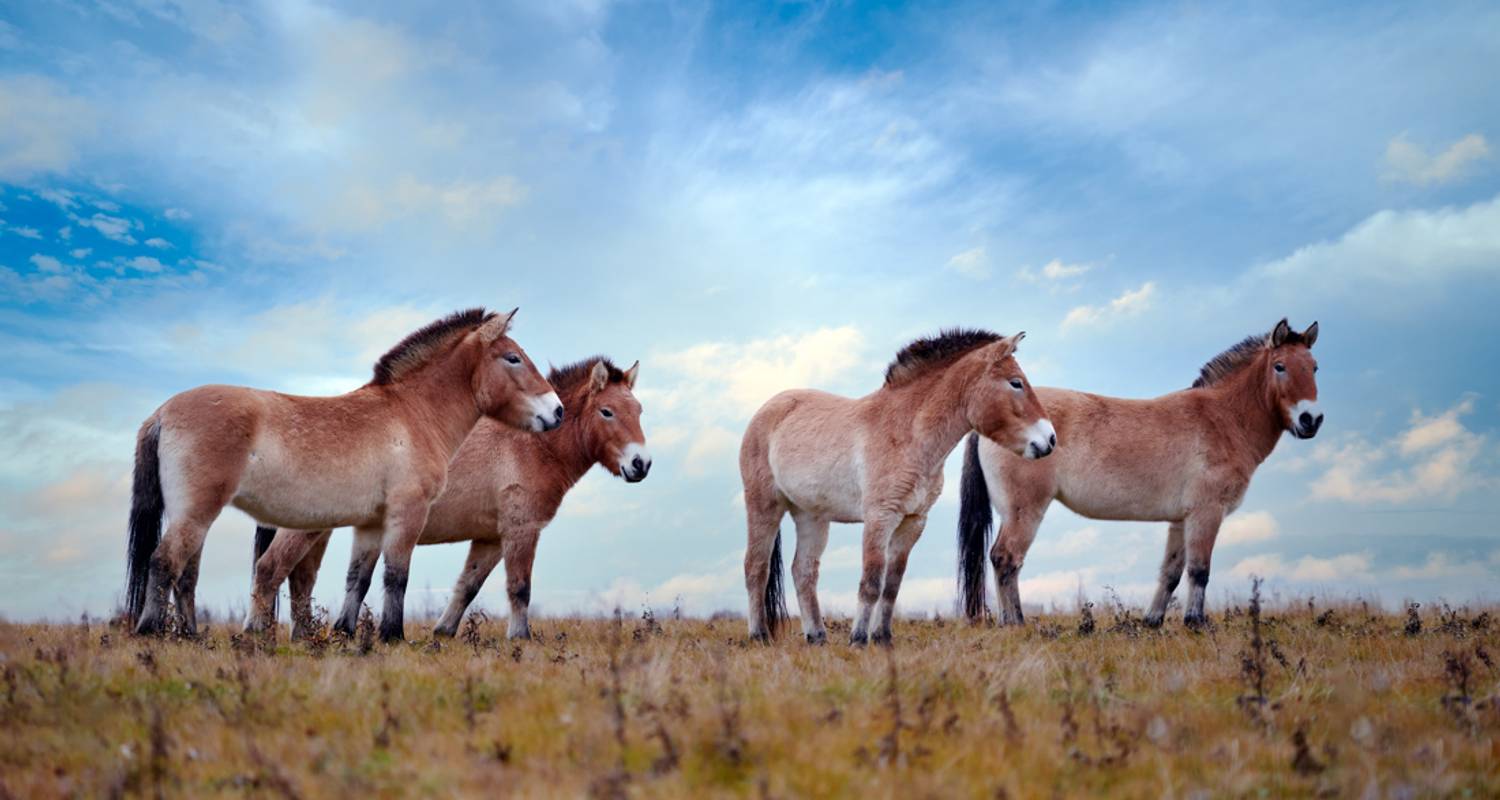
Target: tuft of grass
[(1294, 699)]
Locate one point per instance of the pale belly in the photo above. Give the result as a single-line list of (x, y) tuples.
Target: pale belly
[(825, 484), (311, 497)]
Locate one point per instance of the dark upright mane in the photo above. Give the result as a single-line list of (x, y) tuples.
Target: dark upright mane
[(417, 348), (922, 355), (567, 378), (1236, 358)]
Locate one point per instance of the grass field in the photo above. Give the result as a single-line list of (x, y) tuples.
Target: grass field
[(1298, 700)]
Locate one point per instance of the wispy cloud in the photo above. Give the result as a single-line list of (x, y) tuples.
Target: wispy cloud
[(1433, 460), (1130, 304), (1408, 161)]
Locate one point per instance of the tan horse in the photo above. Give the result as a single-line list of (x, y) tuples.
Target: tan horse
[(504, 486), (374, 458), (1185, 458), (876, 460)]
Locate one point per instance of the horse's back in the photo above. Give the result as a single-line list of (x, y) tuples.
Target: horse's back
[(1116, 458)]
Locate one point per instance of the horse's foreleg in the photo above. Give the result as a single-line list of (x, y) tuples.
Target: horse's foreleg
[(483, 556), (520, 552), (301, 581), (1201, 530), (877, 540), (902, 540), (362, 557), (1171, 573), (403, 526), (812, 540)]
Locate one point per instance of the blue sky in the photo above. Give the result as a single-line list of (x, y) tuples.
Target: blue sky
[(747, 198)]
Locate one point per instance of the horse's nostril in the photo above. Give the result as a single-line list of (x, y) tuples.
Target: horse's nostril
[(558, 414), (1052, 440), (1306, 419)]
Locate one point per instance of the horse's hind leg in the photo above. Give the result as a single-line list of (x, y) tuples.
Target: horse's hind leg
[(273, 567), (812, 540), (301, 582), (483, 556), (1171, 573), (362, 557), (186, 594), (763, 521), (902, 540)]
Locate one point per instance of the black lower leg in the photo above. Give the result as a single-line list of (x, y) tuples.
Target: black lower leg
[(391, 620)]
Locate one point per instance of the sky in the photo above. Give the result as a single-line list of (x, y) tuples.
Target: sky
[(752, 197)]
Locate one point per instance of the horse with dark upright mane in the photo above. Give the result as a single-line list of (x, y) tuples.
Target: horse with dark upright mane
[(877, 460), (504, 486), (373, 458), (1185, 458)]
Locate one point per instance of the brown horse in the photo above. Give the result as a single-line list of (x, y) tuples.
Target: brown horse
[(1185, 459), (876, 460), (374, 458), (504, 486)]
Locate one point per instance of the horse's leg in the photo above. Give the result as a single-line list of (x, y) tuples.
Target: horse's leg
[(186, 593), (902, 540), (877, 539), (286, 550), (763, 520), (301, 581), (484, 554), (812, 540), (1018, 529), (1171, 573), (404, 521), (362, 558), (1202, 528), (177, 557), (520, 553)]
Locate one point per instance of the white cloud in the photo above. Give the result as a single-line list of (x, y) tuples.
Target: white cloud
[(1407, 161), (1073, 543), (145, 264), (1431, 461), (158, 243), (1247, 527), (1054, 271), (972, 263), (40, 127), (25, 232), (1129, 304), (46, 263), (81, 252), (176, 214), (114, 228), (1411, 250), (1348, 567)]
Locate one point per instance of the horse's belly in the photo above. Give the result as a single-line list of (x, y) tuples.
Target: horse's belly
[(308, 497), (824, 487), (1112, 498)]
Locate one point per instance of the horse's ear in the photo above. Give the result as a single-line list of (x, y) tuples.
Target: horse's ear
[(1005, 348), (1280, 332), (1310, 335), (598, 377), (496, 326), (631, 374)]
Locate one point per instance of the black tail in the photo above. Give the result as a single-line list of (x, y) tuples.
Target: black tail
[(146, 506), (775, 602), (263, 537), (975, 522)]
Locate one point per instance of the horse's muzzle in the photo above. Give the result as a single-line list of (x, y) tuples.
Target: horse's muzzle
[(1308, 425)]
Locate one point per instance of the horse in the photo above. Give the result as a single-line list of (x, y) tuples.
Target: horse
[(374, 458), (877, 460), (1185, 458), (504, 486)]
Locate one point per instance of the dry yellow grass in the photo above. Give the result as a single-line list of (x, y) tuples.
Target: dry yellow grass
[(1352, 703)]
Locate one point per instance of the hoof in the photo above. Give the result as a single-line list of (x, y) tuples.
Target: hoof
[(760, 638), (393, 633), (882, 639), (858, 639), (1195, 622), (1153, 620), (149, 626), (442, 632), (519, 636), (819, 638)]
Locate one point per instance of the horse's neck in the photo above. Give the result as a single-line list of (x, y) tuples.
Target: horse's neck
[(1256, 423), (442, 394), (568, 448), (938, 419)]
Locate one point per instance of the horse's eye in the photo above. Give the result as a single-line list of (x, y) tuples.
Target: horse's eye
[(1280, 367), (512, 358), (1315, 368), (1015, 383), (606, 413)]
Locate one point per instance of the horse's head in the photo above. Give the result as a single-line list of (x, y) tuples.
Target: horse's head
[(610, 420), (507, 386), (1002, 405), (1291, 378)]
